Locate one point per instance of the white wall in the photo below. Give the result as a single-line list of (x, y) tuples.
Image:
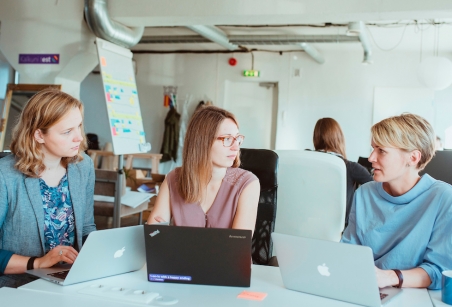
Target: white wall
[(342, 88)]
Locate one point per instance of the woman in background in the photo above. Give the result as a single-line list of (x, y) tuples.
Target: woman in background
[(328, 137), (209, 190), (405, 219), (46, 188)]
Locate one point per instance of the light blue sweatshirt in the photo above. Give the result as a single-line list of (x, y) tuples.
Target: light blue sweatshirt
[(408, 231)]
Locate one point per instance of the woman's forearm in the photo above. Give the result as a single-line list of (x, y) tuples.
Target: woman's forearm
[(416, 278), (17, 264)]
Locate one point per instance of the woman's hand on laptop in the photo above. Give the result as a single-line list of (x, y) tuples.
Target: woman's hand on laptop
[(386, 278), (57, 254)]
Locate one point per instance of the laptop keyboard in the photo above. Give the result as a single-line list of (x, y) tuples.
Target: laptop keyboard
[(62, 274), (383, 295)]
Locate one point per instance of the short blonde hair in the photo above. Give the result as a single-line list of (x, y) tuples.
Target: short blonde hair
[(42, 111), (407, 132)]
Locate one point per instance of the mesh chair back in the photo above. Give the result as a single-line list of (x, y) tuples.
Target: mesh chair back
[(264, 164)]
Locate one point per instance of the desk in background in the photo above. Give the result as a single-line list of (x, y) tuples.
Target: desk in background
[(263, 279)]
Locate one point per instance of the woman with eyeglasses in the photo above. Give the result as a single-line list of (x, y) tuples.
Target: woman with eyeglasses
[(209, 190)]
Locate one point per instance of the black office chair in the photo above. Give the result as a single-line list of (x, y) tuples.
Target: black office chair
[(365, 162), (440, 167), (4, 154), (264, 164)]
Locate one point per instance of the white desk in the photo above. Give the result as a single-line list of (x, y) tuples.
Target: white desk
[(15, 297), (264, 279), (435, 296)]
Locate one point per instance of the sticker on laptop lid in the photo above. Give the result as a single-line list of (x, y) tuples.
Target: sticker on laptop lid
[(163, 277), (255, 296)]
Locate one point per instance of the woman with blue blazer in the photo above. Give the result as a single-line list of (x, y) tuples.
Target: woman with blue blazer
[(46, 188)]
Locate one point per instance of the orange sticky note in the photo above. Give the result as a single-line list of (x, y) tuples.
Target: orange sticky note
[(103, 61), (255, 296)]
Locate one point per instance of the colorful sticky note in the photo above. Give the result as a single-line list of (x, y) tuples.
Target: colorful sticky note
[(103, 61), (255, 296)]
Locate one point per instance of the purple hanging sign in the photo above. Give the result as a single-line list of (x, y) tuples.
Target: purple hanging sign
[(39, 58)]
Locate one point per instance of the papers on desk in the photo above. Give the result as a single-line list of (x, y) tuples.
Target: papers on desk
[(130, 199)]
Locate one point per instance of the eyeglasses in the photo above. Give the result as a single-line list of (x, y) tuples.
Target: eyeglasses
[(229, 140)]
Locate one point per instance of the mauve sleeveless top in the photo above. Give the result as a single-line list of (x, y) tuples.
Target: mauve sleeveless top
[(222, 212)]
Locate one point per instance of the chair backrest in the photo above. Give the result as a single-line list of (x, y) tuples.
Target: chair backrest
[(105, 182), (312, 194), (440, 167), (365, 162), (264, 164), (4, 154)]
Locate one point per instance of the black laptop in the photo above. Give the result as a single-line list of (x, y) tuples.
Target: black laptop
[(192, 255)]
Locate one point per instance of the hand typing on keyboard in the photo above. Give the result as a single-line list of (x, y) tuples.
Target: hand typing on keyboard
[(57, 254)]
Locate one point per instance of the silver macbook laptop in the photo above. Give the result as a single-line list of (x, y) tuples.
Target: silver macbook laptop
[(105, 253), (339, 271)]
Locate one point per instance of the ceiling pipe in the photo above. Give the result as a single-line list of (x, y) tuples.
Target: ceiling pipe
[(314, 53), (100, 23), (358, 28), (253, 40), (214, 34)]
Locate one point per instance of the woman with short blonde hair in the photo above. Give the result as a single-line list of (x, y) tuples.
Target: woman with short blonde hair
[(46, 188), (404, 218), (209, 190)]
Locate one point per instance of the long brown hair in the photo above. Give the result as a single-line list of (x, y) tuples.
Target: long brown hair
[(196, 169), (328, 136), (42, 111)]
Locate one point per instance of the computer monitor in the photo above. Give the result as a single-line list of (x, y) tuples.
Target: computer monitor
[(440, 167)]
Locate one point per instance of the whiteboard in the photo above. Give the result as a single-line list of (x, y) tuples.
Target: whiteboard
[(121, 97), (392, 101)]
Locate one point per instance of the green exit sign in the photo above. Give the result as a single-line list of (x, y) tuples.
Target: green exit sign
[(251, 73)]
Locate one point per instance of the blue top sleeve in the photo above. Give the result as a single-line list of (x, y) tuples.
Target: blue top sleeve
[(4, 254), (4, 259)]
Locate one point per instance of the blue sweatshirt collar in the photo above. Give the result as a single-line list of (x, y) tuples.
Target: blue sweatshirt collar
[(423, 185)]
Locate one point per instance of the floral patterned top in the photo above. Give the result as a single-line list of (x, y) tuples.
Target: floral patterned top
[(59, 221)]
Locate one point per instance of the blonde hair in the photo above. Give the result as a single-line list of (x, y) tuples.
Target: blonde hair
[(42, 111), (407, 132), (328, 136), (196, 169)]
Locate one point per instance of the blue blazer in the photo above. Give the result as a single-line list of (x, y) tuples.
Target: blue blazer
[(21, 207)]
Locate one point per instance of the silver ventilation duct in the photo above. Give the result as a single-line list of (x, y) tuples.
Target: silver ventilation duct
[(358, 29), (313, 53), (253, 39), (214, 34), (96, 15)]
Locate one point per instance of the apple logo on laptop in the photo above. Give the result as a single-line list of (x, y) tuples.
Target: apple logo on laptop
[(119, 252), (323, 270)]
